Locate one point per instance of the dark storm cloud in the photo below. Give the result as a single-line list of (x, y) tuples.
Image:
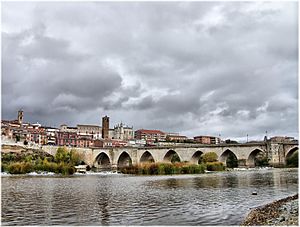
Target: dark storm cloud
[(189, 67)]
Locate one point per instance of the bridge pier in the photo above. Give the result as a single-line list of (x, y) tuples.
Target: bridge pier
[(242, 163)]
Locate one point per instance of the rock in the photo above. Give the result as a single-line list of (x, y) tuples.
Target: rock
[(282, 212)]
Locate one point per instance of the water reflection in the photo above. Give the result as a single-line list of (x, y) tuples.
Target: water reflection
[(103, 198), (205, 199)]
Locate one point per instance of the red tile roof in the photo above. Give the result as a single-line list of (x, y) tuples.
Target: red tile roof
[(150, 131)]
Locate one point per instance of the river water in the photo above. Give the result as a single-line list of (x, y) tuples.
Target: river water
[(222, 198)]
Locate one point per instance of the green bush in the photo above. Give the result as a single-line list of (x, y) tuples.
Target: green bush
[(163, 168), (75, 157), (62, 155), (175, 158), (210, 157), (215, 166), (231, 161), (20, 168), (292, 161)]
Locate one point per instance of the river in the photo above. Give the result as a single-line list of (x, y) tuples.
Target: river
[(222, 198)]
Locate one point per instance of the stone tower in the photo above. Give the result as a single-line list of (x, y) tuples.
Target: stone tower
[(105, 127), (20, 117)]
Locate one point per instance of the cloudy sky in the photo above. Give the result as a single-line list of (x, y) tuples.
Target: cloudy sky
[(195, 68)]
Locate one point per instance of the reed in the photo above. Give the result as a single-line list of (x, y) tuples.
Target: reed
[(163, 168)]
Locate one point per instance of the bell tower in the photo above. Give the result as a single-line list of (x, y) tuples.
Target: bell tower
[(20, 117), (105, 127)]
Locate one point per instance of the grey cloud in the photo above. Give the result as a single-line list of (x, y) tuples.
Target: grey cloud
[(144, 104), (191, 67)]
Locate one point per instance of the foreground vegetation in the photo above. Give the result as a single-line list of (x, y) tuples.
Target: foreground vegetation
[(208, 162), (26, 162)]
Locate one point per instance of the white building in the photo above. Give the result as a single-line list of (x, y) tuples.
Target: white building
[(90, 130), (123, 132)]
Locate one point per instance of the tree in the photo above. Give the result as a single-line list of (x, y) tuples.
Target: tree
[(75, 157), (292, 161), (261, 160), (231, 161), (62, 155), (210, 157), (175, 158)]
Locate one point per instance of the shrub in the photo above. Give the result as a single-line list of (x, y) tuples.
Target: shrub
[(4, 167), (175, 158), (62, 155), (231, 161), (215, 166), (20, 168), (164, 168), (210, 157), (75, 157), (14, 168), (292, 161), (7, 157)]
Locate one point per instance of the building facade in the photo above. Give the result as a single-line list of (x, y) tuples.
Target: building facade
[(150, 135), (67, 138), (51, 135), (207, 139), (175, 137), (90, 130), (123, 132)]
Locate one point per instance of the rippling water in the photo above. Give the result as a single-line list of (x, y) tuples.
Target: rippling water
[(206, 199)]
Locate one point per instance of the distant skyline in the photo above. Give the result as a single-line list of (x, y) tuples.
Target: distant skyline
[(196, 68)]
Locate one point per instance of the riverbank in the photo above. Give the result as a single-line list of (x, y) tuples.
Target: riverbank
[(282, 212), (24, 161)]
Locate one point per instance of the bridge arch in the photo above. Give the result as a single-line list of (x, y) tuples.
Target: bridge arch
[(102, 161), (229, 158), (252, 156), (170, 156), (291, 152), (146, 157), (196, 157), (124, 160)]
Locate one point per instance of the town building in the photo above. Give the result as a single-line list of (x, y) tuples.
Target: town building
[(66, 128), (150, 135), (110, 143), (102, 143), (51, 135), (281, 139), (90, 130), (175, 137), (111, 133), (84, 141), (65, 138), (105, 127), (123, 132), (207, 139), (36, 135)]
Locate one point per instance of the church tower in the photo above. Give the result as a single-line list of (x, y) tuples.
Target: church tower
[(105, 127), (20, 117)]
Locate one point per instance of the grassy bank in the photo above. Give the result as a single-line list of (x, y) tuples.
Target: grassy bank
[(171, 168), (39, 161)]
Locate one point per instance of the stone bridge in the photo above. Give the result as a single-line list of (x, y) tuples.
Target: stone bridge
[(104, 158)]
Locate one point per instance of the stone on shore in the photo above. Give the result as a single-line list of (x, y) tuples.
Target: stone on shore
[(282, 212)]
